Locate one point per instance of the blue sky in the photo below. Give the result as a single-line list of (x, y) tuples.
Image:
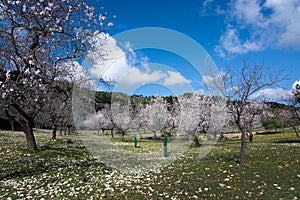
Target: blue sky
[(263, 32)]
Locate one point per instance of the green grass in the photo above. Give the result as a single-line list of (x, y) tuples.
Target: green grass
[(64, 169)]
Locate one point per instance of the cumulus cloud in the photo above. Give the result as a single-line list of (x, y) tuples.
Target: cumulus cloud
[(175, 78), (107, 59), (138, 77), (254, 25), (274, 94), (111, 62), (277, 94), (231, 43)]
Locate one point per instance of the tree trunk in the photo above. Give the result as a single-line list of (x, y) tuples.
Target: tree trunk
[(243, 148), (12, 125), (69, 130), (26, 123), (297, 135), (54, 128), (296, 131), (169, 134), (112, 133), (215, 136), (28, 130), (122, 135), (195, 139), (60, 130), (251, 136)]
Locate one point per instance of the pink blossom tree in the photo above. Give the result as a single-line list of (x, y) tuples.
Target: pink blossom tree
[(158, 115), (251, 117), (194, 114), (36, 37), (140, 118), (105, 119), (122, 119), (240, 90)]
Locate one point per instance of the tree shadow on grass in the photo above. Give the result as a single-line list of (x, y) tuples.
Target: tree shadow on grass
[(268, 132), (47, 160), (288, 141), (33, 168)]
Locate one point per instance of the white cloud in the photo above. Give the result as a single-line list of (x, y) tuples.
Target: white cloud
[(209, 5), (277, 94), (175, 78), (107, 59), (285, 17), (247, 12), (126, 67), (255, 25), (231, 43), (205, 6), (138, 77), (274, 94)]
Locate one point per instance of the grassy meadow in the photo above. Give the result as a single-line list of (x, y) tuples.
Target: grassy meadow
[(64, 169)]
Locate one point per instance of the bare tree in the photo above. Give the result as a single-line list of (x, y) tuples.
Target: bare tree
[(36, 36), (241, 89)]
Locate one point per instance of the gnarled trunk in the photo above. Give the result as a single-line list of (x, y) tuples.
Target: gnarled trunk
[(26, 122), (28, 130)]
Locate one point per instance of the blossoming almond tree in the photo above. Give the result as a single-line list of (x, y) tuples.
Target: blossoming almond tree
[(194, 114), (104, 120), (240, 90), (140, 118), (158, 115), (35, 37), (121, 115), (254, 112)]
